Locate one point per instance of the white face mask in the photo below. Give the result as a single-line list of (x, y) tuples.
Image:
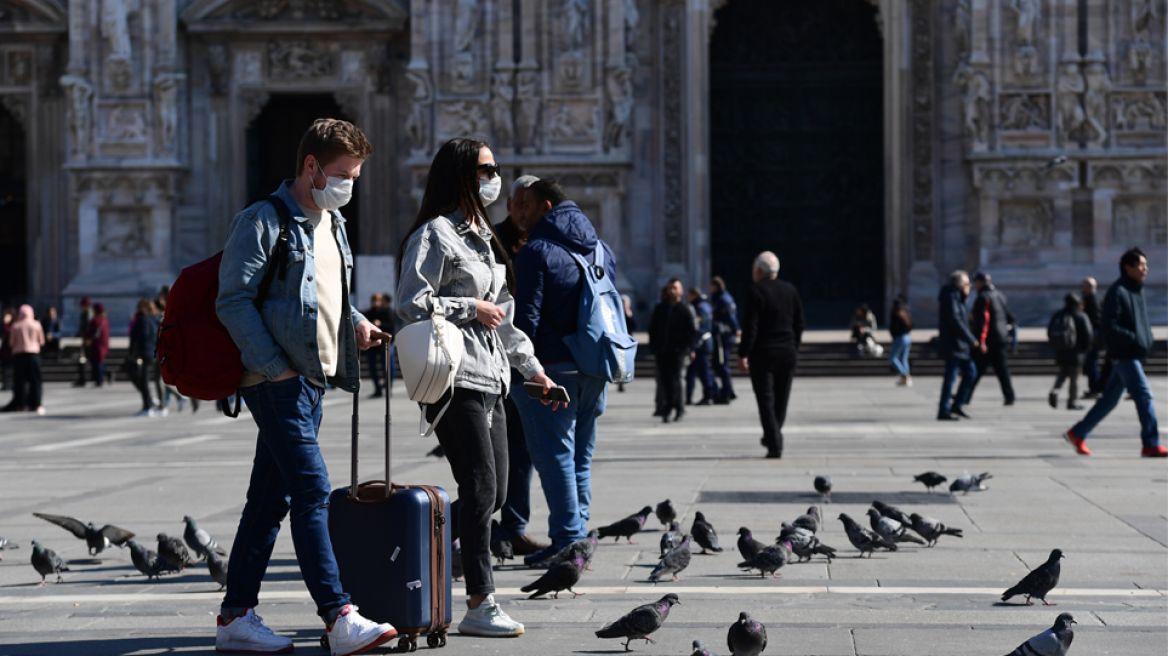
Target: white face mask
[(336, 194), (489, 190)]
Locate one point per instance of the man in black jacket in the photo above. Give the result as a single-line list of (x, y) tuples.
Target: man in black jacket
[(955, 341), (772, 330), (1094, 313), (1128, 334), (672, 331), (991, 326), (1070, 359)]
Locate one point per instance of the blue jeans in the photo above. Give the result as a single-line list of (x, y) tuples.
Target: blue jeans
[(1129, 375), (699, 370), (899, 353), (517, 506), (288, 474), (561, 443), (968, 374)]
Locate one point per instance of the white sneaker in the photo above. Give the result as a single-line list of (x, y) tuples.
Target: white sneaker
[(353, 634), (488, 620), (247, 634), (145, 413)]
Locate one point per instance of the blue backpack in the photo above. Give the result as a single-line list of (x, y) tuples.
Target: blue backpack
[(601, 345)]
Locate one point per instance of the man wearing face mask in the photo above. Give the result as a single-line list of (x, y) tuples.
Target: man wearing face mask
[(306, 334)]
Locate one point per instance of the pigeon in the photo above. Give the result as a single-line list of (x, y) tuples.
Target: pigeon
[(890, 529), (1039, 582), (769, 560), (174, 551), (673, 563), (804, 543), (199, 540), (1055, 641), (930, 479), (893, 512), (561, 576), (627, 527), (747, 545), (501, 548), (823, 486), (218, 568), (704, 534), (97, 539), (5, 544), (46, 561), (586, 544), (456, 560), (810, 521), (863, 539), (699, 649), (641, 621), (747, 636), (931, 529), (666, 512), (670, 539), (148, 562), (970, 482)]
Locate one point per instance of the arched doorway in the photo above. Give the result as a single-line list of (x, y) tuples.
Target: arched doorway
[(796, 144), (14, 245)]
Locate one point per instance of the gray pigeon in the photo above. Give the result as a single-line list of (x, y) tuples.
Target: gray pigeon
[(670, 539), (218, 568), (501, 548), (5, 544), (890, 529), (46, 562), (747, 636), (747, 545), (930, 479), (931, 529), (97, 539), (148, 562), (804, 543), (823, 486), (703, 533), (174, 552), (969, 482), (456, 560), (699, 649), (1039, 582), (587, 546), (627, 527), (863, 539), (641, 621), (666, 512), (199, 540), (811, 521), (561, 576), (769, 560), (893, 512), (1055, 641), (673, 562)]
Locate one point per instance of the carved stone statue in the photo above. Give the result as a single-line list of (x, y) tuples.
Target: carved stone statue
[(620, 94), (1141, 111), (116, 30), (1098, 85), (1025, 112), (125, 124), (575, 23), (563, 124), (527, 108), (466, 22), (298, 59), (1143, 15), (1028, 12), (961, 28), (632, 26), (418, 122), (502, 103), (1070, 99), (975, 102), (469, 118), (166, 88), (79, 92), (218, 68)]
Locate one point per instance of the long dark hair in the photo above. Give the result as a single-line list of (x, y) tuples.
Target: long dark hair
[(451, 185), (900, 309)]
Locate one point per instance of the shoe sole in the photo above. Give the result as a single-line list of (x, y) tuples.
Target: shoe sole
[(377, 642), (515, 634), (224, 650)]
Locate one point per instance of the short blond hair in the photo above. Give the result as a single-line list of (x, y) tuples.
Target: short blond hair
[(330, 138)]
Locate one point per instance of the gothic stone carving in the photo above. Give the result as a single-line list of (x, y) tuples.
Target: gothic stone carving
[(1071, 87), (19, 68), (633, 30), (124, 232), (571, 121), (1139, 221), (975, 104), (998, 179), (961, 27), (462, 119), (295, 10), (47, 73), (1098, 85), (1026, 224), (352, 66), (251, 103), (1027, 13), (1025, 111), (123, 123), (502, 104), (527, 110), (298, 60), (467, 16), (116, 30), (922, 130), (620, 98), (80, 113), (672, 45), (249, 68), (1145, 110), (1143, 18), (17, 106), (1137, 175), (575, 16), (166, 88), (418, 122), (218, 68)]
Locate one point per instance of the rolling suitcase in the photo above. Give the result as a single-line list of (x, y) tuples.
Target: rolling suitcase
[(393, 549)]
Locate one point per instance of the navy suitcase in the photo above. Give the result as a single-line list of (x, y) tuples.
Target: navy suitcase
[(393, 549)]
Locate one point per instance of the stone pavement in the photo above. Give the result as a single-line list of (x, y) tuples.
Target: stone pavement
[(90, 459)]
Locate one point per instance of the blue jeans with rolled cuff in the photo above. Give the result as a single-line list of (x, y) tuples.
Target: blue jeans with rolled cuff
[(1129, 375), (899, 353)]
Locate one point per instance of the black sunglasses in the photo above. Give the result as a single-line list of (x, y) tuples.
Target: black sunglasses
[(491, 169)]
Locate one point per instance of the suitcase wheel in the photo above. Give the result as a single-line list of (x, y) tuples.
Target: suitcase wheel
[(407, 644), (324, 642), (435, 640)]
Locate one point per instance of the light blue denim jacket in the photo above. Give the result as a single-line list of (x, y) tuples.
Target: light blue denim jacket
[(450, 266), (284, 334)]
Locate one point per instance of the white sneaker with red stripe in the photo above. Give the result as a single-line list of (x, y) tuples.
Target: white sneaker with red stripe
[(353, 634), (247, 634)]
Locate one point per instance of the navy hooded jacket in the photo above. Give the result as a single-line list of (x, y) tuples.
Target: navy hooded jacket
[(548, 283), (955, 338)]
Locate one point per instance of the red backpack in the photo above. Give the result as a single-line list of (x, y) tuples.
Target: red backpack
[(195, 352)]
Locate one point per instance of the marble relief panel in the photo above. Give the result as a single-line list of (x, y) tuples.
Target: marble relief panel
[(124, 232), (573, 126), (1026, 224), (1139, 221), (17, 68)]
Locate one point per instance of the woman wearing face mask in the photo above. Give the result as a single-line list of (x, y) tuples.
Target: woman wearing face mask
[(452, 262)]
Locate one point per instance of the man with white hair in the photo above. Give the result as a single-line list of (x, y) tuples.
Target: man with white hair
[(956, 343), (772, 330)]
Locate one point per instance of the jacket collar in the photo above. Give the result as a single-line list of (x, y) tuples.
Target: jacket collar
[(461, 225), (285, 194), (1130, 283)]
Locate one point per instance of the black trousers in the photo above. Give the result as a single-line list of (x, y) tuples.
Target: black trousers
[(473, 433), (27, 381), (142, 380), (671, 390), (771, 375), (994, 356)]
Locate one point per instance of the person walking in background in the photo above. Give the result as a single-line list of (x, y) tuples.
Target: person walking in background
[(1128, 334), (864, 331), (26, 337), (772, 331), (96, 342), (143, 340), (726, 331), (630, 324), (51, 325), (85, 309), (1094, 312), (6, 319), (955, 342), (163, 391), (699, 367), (991, 327), (1071, 335), (672, 330), (900, 326), (378, 315)]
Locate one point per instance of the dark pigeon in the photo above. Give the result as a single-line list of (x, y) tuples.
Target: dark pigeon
[(456, 560), (863, 539), (587, 546), (627, 527), (747, 545), (218, 568), (673, 563), (174, 551), (823, 486), (769, 560), (97, 539), (893, 512), (199, 540), (1039, 582), (501, 548), (699, 649), (890, 529), (747, 636), (704, 534), (811, 521), (46, 562), (930, 479), (671, 539), (148, 562), (641, 621), (804, 543), (561, 576), (666, 512), (970, 482), (1055, 641), (931, 529)]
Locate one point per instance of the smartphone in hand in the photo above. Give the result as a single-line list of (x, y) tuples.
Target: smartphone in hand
[(535, 391)]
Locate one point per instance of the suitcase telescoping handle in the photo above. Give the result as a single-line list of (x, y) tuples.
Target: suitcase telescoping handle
[(385, 339)]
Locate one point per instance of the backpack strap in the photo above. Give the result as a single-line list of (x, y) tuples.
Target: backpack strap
[(279, 253)]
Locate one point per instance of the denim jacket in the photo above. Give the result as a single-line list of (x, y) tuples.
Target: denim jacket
[(449, 266), (283, 334)]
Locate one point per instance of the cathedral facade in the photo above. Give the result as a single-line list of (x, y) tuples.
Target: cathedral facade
[(874, 145)]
